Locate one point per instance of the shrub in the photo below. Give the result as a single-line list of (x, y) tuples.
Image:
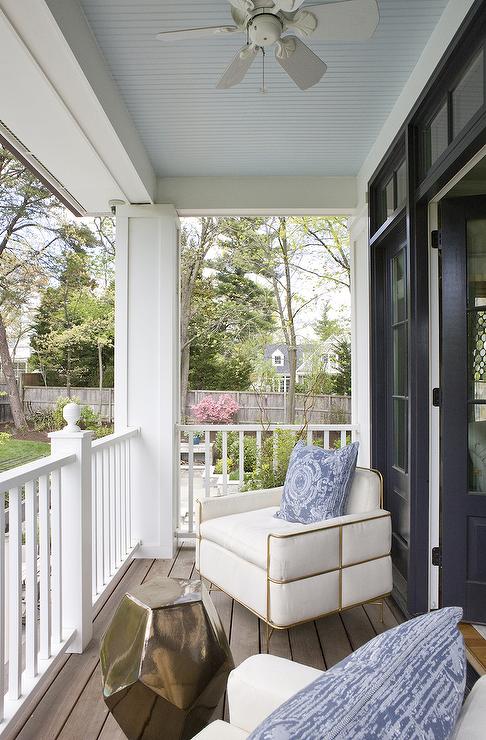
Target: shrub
[(51, 420), (215, 411), (4, 438), (273, 461), (218, 468), (249, 450)]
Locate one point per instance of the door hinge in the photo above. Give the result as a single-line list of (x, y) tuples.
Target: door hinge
[(437, 556), (435, 239), (436, 397)]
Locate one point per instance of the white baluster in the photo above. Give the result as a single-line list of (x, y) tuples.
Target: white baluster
[(2, 603), (207, 463), (129, 492), (225, 462), (241, 456), (94, 528), (343, 439), (107, 514), (100, 517), (56, 556), (123, 499), (190, 482), (113, 538), (45, 569), (15, 594), (31, 590), (309, 436), (326, 439)]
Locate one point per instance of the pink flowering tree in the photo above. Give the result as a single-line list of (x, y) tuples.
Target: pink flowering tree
[(212, 410)]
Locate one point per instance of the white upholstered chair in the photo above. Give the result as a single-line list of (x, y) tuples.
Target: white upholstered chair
[(290, 573), (261, 683)]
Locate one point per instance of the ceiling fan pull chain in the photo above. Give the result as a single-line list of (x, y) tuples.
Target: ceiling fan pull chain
[(263, 90)]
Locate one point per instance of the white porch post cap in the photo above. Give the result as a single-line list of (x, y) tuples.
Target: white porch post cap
[(72, 414)]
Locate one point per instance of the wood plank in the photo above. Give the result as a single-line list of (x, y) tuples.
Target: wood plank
[(184, 562), (111, 730), (358, 626), (89, 713), (305, 646), (224, 607), (160, 568), (244, 638), (48, 718), (475, 647), (279, 642), (334, 640), (374, 615)]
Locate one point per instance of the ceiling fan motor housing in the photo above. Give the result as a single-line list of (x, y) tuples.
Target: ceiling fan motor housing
[(265, 29)]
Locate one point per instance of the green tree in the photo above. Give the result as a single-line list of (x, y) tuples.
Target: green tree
[(341, 381), (74, 328)]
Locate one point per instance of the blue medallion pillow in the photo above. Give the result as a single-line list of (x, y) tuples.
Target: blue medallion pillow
[(406, 684), (317, 483)]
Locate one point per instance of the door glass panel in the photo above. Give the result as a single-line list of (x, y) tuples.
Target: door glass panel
[(468, 97), (477, 447), (400, 433), (399, 296), (401, 184), (436, 136), (400, 359), (476, 348), (390, 198)]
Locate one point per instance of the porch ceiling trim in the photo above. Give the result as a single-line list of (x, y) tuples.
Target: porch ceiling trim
[(259, 196), (55, 110)]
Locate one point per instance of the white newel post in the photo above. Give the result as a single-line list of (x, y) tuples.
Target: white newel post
[(147, 366), (76, 543)]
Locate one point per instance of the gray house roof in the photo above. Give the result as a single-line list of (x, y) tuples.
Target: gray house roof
[(282, 369)]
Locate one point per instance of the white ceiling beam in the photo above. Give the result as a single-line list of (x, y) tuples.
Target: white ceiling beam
[(74, 124), (254, 196)]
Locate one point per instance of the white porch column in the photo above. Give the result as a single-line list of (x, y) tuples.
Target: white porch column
[(147, 365), (360, 332)]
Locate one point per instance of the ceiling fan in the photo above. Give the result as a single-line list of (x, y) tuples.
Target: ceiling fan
[(266, 21)]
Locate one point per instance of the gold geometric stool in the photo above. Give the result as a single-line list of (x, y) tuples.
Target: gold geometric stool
[(165, 660)]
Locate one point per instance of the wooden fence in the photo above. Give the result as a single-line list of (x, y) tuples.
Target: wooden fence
[(37, 398), (270, 407)]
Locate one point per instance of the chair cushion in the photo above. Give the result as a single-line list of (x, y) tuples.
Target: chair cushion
[(220, 730), (246, 535), (317, 483), (472, 720), (407, 683)]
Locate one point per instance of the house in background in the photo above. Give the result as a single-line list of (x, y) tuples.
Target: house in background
[(309, 356), (20, 352)]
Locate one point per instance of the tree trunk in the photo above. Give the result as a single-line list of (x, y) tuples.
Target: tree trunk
[(290, 324), (68, 374), (100, 376), (12, 387)]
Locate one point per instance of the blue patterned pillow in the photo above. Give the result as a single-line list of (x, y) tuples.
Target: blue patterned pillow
[(406, 684), (317, 483)]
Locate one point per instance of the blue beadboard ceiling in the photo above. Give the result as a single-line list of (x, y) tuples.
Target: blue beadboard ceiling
[(189, 128)]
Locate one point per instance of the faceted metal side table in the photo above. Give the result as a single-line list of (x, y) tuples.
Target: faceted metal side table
[(165, 660)]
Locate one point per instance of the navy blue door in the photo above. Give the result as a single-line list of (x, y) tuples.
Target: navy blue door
[(463, 405)]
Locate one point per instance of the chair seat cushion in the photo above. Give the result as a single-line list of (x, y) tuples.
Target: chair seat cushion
[(314, 551), (407, 683)]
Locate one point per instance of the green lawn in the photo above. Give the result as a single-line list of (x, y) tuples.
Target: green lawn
[(18, 452)]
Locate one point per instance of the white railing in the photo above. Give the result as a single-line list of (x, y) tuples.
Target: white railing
[(111, 506), (198, 478), (65, 531)]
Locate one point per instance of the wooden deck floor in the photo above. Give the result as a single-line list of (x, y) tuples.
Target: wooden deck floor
[(71, 706)]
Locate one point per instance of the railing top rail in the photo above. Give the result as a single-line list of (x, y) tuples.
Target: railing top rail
[(22, 474), (266, 427), (116, 437)]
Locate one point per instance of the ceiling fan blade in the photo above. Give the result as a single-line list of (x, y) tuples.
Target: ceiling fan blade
[(300, 63), (238, 68), (349, 20), (197, 33)]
